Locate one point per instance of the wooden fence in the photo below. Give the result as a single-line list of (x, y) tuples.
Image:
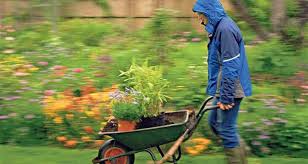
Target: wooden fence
[(139, 11)]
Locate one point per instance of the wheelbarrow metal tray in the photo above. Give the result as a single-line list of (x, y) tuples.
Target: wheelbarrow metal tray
[(150, 137)]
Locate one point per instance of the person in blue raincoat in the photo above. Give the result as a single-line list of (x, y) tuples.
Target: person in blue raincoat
[(228, 75)]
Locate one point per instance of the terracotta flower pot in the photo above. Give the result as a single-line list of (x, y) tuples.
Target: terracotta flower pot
[(124, 125)]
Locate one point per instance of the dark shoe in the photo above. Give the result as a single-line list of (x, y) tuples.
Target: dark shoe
[(234, 155), (244, 151)]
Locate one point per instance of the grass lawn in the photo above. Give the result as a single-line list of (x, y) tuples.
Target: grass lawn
[(51, 155)]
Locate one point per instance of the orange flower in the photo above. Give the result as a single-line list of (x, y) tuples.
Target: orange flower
[(58, 120), (70, 143), (192, 151), (88, 129), (201, 141), (86, 139), (98, 143), (69, 116), (61, 139), (200, 147), (87, 89)]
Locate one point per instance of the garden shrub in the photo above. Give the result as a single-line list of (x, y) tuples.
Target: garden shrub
[(88, 33), (260, 9), (274, 57), (22, 128)]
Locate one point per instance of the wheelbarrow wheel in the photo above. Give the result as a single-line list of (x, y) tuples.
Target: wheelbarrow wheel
[(114, 149)]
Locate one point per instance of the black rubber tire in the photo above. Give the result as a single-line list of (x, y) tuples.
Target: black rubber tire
[(131, 158)]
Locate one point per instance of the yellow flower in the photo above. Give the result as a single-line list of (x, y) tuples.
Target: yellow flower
[(33, 69), (201, 141), (86, 139), (69, 116), (58, 120), (48, 99), (96, 96), (192, 151), (105, 97), (90, 113), (103, 124)]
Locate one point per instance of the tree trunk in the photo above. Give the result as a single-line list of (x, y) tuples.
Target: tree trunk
[(278, 16), (303, 19), (243, 13)]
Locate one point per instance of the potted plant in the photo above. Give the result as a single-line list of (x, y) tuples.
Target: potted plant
[(127, 112), (149, 86)]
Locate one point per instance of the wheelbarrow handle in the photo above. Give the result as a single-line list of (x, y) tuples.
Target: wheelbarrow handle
[(174, 148), (181, 139), (205, 108)]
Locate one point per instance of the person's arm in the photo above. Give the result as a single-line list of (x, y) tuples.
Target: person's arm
[(230, 57)]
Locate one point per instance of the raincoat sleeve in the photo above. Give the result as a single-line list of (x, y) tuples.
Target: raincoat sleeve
[(230, 58)]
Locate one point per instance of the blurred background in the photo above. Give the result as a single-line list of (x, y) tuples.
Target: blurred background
[(60, 59)]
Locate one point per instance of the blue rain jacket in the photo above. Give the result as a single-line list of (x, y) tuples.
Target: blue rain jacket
[(228, 72)]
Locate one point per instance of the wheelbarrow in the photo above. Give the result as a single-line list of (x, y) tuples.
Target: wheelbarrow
[(123, 146)]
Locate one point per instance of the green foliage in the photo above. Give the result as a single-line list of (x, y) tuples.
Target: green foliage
[(84, 32), (23, 129), (104, 4), (289, 138), (126, 111), (274, 57), (149, 82), (292, 32), (160, 29), (32, 38), (292, 8), (260, 9), (248, 33)]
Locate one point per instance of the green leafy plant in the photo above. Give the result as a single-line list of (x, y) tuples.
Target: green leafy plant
[(126, 111), (159, 29), (149, 82)]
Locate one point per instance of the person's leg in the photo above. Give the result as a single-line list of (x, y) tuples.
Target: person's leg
[(212, 119), (227, 125), (227, 128)]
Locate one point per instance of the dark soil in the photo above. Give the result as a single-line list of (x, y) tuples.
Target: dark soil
[(145, 122), (111, 126), (148, 122)]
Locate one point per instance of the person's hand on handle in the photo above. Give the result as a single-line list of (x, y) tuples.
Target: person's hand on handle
[(225, 106)]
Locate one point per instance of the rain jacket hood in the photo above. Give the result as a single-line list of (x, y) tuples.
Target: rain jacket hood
[(213, 10)]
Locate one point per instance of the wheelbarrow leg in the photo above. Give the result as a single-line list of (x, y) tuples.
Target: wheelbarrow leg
[(174, 161), (151, 153), (174, 157)]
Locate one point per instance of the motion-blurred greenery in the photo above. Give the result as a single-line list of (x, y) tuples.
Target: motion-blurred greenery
[(103, 49)]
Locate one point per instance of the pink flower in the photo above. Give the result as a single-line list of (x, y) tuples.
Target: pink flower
[(10, 30), (12, 98), (49, 92), (29, 116), (196, 39), (183, 40), (58, 67), (12, 115), (42, 63), (301, 100), (9, 51), (256, 143), (78, 70), (21, 74), (187, 33), (23, 82), (3, 117), (28, 66), (304, 86)]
